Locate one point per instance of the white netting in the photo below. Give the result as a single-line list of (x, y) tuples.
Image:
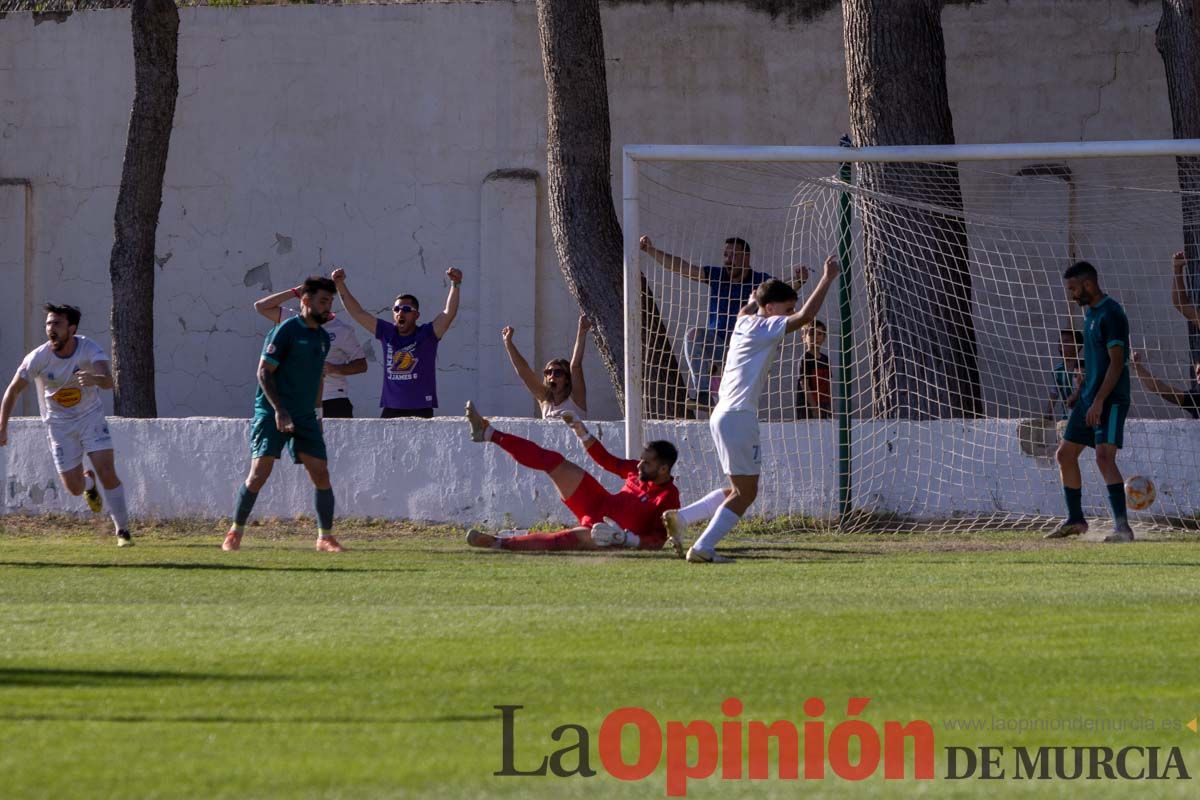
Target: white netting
[(950, 421)]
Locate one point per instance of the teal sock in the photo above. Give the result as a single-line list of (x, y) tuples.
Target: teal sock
[(324, 500), (1116, 499), (243, 506), (1075, 503)]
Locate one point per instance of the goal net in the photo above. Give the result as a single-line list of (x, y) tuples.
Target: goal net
[(935, 394)]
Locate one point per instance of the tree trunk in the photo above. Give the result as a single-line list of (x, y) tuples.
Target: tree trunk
[(156, 85), (587, 234), (923, 354), (1178, 41)]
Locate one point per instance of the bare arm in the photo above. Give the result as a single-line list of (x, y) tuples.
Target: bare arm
[(266, 379), (521, 366), (1164, 390), (349, 368), (1179, 293), (1116, 365), (808, 311), (669, 262), (441, 323), (100, 377), (15, 387), (270, 306), (361, 315), (578, 384)]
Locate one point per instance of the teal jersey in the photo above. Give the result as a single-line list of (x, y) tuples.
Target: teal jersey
[(1104, 325), (298, 354)]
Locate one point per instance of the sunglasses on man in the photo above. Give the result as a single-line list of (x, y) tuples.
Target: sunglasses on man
[(403, 308), (555, 372)]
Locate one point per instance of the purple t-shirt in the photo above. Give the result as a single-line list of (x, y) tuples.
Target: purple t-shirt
[(409, 367)]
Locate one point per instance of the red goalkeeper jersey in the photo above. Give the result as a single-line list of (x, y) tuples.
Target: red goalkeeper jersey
[(639, 505)]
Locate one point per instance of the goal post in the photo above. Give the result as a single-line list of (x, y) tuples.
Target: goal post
[(945, 329)]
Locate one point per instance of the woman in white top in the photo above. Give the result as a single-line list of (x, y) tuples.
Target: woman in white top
[(562, 388)]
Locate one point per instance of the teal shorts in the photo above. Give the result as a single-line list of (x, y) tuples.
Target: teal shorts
[(1111, 429), (266, 440)]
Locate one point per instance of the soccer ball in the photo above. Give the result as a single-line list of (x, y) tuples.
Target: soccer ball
[(1139, 492)]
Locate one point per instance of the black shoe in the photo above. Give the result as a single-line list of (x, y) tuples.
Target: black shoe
[(124, 539)]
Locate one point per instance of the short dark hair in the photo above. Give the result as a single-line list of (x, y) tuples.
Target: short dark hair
[(1081, 269), (774, 290), (820, 325), (317, 283), (70, 312), (739, 243), (412, 301), (664, 451), (1073, 335)]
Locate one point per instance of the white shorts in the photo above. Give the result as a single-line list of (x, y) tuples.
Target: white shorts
[(735, 433), (70, 439)]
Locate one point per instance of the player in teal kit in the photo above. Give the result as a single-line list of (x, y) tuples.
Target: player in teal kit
[(285, 411), (1098, 418)]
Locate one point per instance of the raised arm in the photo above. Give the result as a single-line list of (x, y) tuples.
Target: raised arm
[(521, 366), (808, 311), (441, 323), (1164, 390), (361, 316), (1179, 293), (669, 262), (578, 384), (271, 305), (599, 453), (15, 387)]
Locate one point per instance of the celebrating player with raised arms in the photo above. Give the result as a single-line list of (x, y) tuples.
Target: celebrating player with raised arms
[(69, 371), (761, 325)]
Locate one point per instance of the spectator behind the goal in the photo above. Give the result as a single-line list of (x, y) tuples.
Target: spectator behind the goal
[(729, 288), (814, 398), (1068, 373), (1187, 399), (562, 389), (1186, 302)]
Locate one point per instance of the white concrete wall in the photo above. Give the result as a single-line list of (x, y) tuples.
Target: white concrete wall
[(363, 136), (430, 470)]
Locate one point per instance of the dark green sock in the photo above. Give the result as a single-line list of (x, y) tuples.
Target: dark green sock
[(1074, 504), (1116, 499), (324, 500), (243, 504)]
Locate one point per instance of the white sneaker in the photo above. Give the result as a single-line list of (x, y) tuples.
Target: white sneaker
[(675, 530), (696, 556)]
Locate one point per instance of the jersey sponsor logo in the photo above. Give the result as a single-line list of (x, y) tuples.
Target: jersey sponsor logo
[(67, 397), (270, 349)]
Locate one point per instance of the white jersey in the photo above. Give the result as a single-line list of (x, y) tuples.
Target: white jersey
[(752, 348), (551, 411), (60, 394), (344, 347)]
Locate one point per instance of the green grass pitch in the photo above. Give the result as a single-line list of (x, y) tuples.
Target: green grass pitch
[(172, 670)]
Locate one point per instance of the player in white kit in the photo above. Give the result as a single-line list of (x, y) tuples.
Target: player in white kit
[(760, 327), (69, 371)]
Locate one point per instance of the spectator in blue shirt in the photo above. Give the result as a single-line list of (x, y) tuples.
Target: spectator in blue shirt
[(729, 288)]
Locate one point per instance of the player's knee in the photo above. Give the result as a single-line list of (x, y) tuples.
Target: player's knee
[(1105, 457), (1065, 455)]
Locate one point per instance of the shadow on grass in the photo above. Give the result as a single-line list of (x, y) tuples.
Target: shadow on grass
[(31, 676), (190, 566)]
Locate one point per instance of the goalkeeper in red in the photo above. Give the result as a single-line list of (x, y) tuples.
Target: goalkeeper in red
[(630, 518)]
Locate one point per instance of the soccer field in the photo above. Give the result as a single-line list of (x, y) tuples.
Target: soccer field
[(173, 670)]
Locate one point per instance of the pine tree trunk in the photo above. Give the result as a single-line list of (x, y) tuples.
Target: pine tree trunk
[(1178, 41), (923, 355), (587, 234), (155, 26)]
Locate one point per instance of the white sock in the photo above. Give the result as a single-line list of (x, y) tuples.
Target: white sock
[(115, 500), (721, 524), (89, 482), (703, 508), (487, 433), (632, 540)]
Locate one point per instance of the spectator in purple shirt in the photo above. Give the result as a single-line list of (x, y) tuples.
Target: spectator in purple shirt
[(409, 349)]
